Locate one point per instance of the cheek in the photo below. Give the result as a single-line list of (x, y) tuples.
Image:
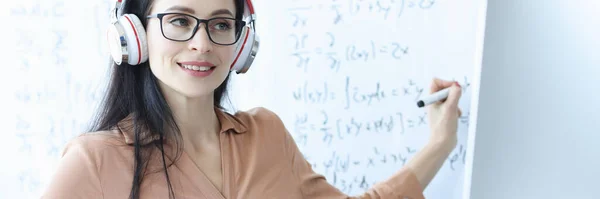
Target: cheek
[(227, 54), (160, 50)]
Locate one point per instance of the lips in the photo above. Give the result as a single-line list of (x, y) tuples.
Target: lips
[(197, 69), (197, 65)]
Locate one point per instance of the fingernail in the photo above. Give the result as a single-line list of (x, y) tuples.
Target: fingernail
[(456, 83)]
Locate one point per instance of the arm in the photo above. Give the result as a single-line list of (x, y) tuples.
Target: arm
[(426, 163), (443, 120), (76, 175)]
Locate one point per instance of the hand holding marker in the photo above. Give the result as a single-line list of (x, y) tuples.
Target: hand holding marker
[(435, 97)]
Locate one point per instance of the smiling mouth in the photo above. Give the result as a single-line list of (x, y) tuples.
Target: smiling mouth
[(196, 68)]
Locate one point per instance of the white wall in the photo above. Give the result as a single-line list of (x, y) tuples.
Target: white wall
[(537, 128)]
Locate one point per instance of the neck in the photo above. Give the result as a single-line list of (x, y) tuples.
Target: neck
[(196, 119)]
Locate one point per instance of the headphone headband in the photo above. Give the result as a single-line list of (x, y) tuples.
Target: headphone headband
[(117, 11)]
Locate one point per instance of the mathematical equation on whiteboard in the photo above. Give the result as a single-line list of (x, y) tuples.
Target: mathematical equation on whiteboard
[(353, 95), (339, 10), (338, 165), (336, 13), (352, 52)]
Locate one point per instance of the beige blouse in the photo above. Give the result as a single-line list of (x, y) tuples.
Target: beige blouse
[(259, 160)]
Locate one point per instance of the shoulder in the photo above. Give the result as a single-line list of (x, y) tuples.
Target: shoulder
[(263, 125), (260, 118), (266, 131), (89, 163), (98, 139), (94, 145), (257, 114)]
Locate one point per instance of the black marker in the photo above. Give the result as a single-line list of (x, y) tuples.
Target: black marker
[(433, 98)]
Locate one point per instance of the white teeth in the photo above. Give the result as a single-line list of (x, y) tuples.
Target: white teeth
[(197, 68)]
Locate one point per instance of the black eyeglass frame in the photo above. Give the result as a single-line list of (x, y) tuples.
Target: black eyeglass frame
[(238, 29)]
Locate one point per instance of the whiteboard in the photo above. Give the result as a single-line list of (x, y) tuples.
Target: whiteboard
[(57, 69), (344, 77), (314, 56)]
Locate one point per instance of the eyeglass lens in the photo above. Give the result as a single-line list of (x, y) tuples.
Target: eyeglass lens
[(181, 27)]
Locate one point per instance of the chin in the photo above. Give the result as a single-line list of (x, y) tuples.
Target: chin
[(197, 92)]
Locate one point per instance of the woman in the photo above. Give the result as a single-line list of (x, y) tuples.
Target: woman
[(162, 132)]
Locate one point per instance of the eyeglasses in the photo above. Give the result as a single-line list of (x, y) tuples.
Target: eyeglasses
[(182, 27)]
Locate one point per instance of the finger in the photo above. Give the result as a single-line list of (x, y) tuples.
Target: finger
[(459, 113), (439, 84), (454, 95)]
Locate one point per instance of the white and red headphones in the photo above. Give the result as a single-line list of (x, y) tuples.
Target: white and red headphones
[(127, 39)]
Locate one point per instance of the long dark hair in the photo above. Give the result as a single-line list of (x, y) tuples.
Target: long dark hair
[(133, 91)]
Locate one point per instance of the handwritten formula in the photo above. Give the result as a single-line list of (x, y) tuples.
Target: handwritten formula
[(349, 74), (59, 73)]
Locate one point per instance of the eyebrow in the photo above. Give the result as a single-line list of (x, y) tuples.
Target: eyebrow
[(191, 11)]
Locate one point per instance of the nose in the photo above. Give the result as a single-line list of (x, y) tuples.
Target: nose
[(200, 42)]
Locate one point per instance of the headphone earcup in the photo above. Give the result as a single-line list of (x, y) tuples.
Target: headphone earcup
[(117, 44), (245, 51), (135, 36)]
